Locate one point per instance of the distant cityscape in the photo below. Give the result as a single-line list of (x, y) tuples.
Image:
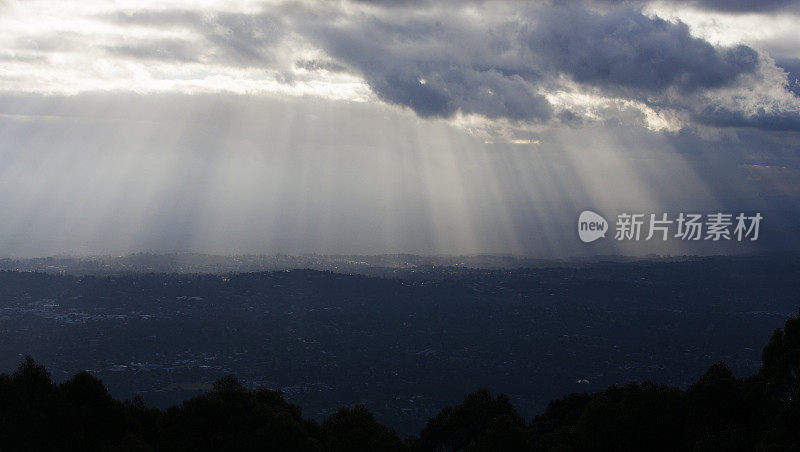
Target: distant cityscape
[(378, 265)]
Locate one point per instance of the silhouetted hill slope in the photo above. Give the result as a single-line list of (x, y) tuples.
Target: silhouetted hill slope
[(718, 412)]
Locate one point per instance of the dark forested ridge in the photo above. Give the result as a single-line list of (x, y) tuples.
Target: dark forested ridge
[(402, 347), (717, 412)]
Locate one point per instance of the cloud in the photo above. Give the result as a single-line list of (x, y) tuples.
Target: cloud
[(443, 61), (629, 55), (160, 49), (742, 6), (312, 65), (729, 6), (392, 3), (762, 118), (763, 101), (792, 68), (625, 49), (435, 65), (248, 40), (505, 62)]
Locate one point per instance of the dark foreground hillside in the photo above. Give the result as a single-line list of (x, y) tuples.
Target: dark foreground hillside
[(718, 412)]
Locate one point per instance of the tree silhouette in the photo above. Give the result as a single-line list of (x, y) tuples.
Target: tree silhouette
[(355, 429), (480, 422), (232, 418), (718, 412)]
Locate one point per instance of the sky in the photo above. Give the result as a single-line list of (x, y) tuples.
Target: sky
[(369, 126)]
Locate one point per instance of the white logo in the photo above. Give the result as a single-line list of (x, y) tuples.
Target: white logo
[(591, 226)]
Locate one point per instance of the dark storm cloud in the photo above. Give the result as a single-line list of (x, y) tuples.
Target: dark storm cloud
[(443, 91), (792, 67), (730, 6), (440, 59), (762, 119), (438, 65), (436, 68), (626, 49)]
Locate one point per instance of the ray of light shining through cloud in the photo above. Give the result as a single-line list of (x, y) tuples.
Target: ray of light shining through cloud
[(357, 127)]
